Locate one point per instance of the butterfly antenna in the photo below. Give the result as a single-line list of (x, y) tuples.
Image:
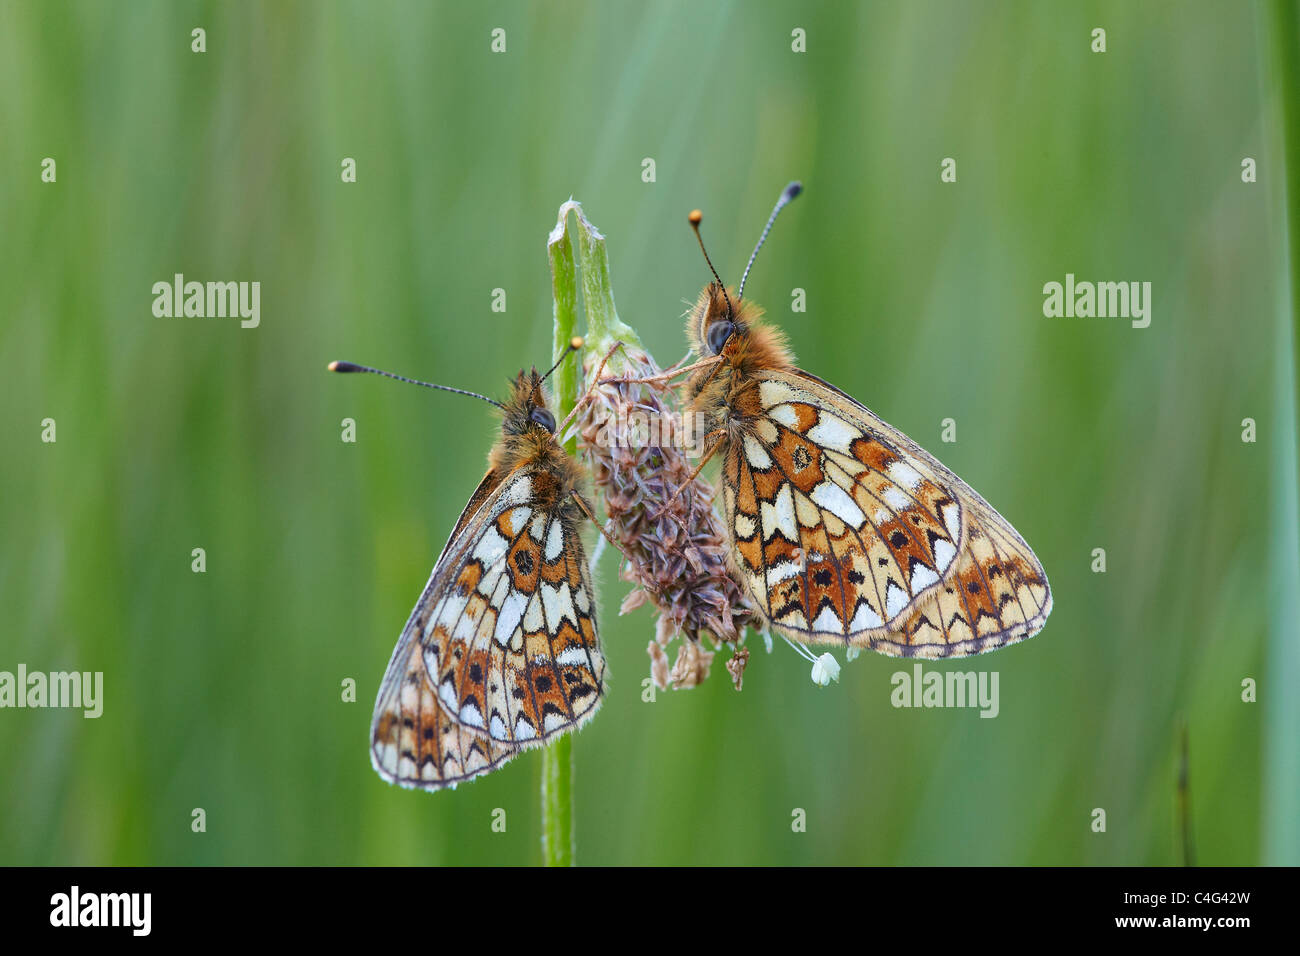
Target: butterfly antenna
[(696, 217), (787, 195), (350, 367), (575, 343)]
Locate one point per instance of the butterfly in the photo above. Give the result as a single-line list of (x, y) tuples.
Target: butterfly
[(501, 652), (843, 529)]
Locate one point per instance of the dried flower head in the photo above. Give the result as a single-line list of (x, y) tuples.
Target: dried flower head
[(636, 445)]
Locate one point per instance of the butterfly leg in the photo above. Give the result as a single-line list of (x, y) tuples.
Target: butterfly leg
[(679, 363), (665, 376), (587, 510), (587, 396)]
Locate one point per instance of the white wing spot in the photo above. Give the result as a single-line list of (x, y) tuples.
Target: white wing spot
[(952, 520), (833, 432), (409, 696), (896, 499), (517, 518), (944, 552), (865, 619), (431, 658), (756, 454), (904, 474), (779, 516), (554, 540), (772, 393), (572, 656), (895, 600), (837, 501), (795, 619), (452, 607), (828, 622), (465, 626), (491, 547), (786, 415), (806, 511), (475, 760), (922, 578), (533, 617), (447, 693), (517, 492), (469, 714), (779, 572), (512, 609), (558, 603), (552, 722)]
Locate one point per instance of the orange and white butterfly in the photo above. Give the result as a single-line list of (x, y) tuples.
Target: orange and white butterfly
[(843, 529), (501, 652)]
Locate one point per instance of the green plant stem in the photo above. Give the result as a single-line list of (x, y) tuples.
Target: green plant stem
[(603, 324), (564, 291), (558, 844), (604, 330)]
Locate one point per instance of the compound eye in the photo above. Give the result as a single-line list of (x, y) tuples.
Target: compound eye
[(540, 416), (719, 333)]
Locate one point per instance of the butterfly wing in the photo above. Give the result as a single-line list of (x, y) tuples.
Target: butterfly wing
[(413, 741), (502, 642), (846, 531)]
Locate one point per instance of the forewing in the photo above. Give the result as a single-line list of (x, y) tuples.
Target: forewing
[(847, 531)]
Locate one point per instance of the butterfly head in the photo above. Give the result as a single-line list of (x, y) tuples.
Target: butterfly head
[(528, 439), (723, 325), (716, 324), (524, 412)]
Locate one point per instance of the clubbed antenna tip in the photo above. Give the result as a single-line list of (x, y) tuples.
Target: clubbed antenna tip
[(787, 194)]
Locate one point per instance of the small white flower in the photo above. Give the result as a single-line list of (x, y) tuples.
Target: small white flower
[(825, 669), (851, 653)]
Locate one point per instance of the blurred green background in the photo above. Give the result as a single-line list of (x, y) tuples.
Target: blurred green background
[(924, 301)]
